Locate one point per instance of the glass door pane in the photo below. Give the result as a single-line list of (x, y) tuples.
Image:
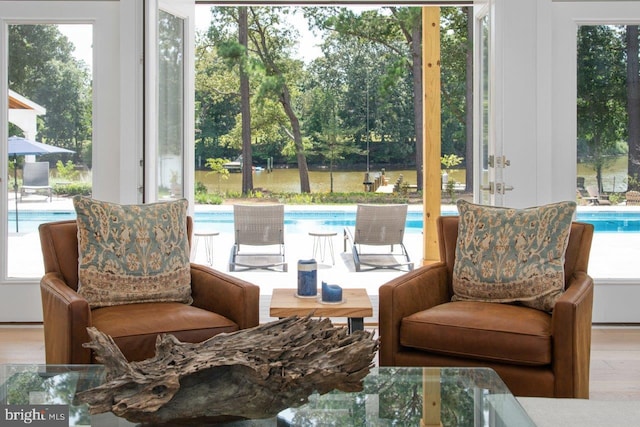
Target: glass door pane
[(171, 53), (603, 116), (484, 175), (49, 123), (608, 146)]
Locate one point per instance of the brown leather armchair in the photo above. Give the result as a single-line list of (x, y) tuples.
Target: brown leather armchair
[(535, 353), (221, 303)]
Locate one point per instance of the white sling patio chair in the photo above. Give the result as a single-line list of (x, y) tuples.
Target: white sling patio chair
[(258, 225), (595, 198), (35, 177), (379, 225)]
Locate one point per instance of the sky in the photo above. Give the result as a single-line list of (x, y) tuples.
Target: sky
[(308, 44), (81, 36)]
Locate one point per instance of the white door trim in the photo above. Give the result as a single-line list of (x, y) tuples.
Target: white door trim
[(20, 298)]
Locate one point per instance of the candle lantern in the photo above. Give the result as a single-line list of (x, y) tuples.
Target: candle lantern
[(307, 278), (331, 293)]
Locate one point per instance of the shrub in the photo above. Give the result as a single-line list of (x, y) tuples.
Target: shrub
[(72, 189), (338, 198), (201, 188), (208, 199), (67, 171)]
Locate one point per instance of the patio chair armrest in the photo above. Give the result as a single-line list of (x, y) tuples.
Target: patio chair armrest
[(347, 234), (571, 331), (410, 293), (227, 295), (66, 317)]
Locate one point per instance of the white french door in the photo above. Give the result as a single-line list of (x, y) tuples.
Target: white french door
[(617, 291), (483, 176), (19, 290), (489, 161), (169, 100)]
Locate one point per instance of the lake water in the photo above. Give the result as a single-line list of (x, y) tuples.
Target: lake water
[(614, 175), (288, 180)]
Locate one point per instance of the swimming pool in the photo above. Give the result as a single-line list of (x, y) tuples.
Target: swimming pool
[(304, 220)]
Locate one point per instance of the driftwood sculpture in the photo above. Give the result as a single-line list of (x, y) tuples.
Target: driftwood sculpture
[(252, 373)]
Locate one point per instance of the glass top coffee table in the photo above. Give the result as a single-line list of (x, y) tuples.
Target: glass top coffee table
[(390, 397)]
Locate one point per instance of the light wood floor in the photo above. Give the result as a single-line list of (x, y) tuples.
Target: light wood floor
[(615, 363), (615, 357)]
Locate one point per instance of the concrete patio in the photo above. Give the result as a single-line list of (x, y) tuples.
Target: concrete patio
[(613, 256)]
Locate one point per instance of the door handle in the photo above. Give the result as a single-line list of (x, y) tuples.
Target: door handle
[(499, 161), (490, 188), (496, 187), (501, 188)]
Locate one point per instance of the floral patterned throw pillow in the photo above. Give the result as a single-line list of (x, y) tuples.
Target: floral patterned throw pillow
[(132, 253), (512, 255)]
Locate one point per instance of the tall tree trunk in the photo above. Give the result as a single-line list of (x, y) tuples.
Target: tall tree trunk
[(469, 104), (598, 161), (418, 102), (331, 149), (331, 176), (262, 49), (245, 101), (303, 169), (633, 107)]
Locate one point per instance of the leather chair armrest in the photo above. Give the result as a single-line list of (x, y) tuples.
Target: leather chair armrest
[(66, 318), (224, 294), (571, 329), (417, 290)]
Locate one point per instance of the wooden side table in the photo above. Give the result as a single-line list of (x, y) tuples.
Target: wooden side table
[(355, 308), (321, 241), (207, 236)]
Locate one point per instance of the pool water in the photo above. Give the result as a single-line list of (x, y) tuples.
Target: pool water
[(302, 221), (612, 221)]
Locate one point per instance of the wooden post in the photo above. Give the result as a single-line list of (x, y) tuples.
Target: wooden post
[(432, 130), (431, 400)]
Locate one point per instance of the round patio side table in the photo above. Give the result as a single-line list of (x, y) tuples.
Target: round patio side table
[(207, 236), (323, 240)]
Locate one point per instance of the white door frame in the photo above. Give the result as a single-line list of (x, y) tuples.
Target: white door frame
[(20, 298), (483, 192), (615, 300), (184, 9), (567, 16)]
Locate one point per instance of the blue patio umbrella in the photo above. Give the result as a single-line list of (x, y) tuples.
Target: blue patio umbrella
[(23, 146)]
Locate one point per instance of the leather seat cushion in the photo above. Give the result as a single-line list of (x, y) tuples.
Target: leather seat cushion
[(134, 327), (481, 330)]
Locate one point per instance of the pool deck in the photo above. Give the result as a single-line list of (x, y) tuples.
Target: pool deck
[(613, 255)]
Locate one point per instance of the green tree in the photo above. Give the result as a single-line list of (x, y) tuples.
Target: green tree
[(331, 140), (245, 103), (217, 167), (374, 101), (398, 34), (276, 75), (67, 123), (42, 68), (217, 102), (457, 85), (376, 109), (633, 107), (218, 115), (601, 94), (399, 29), (271, 40)]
